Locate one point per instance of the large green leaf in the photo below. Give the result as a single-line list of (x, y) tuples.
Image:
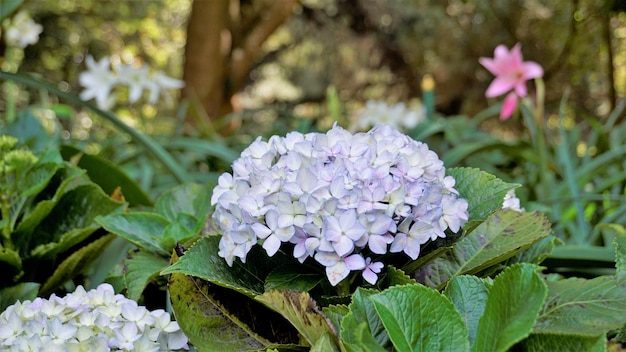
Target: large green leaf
[(205, 321), (582, 307), (563, 343), (107, 175), (71, 220), (302, 312), (373, 336), (141, 267), (484, 192), (202, 260), (190, 198), (469, 296), (143, 229), (75, 264), (65, 180), (290, 277), (512, 307), (418, 318), (504, 234), (20, 292)]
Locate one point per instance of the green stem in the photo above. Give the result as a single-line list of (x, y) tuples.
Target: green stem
[(154, 148), (540, 140), (10, 64)]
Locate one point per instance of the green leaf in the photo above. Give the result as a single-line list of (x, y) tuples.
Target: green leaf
[(620, 258), (418, 318), (361, 340), (141, 267), (511, 310), (27, 128), (326, 343), (108, 175), (503, 235), (563, 343), (362, 312), (335, 314), (469, 295), (301, 311), (70, 221), (8, 6), (75, 264), (538, 252), (20, 292), (484, 192), (582, 307), (145, 230), (290, 277), (396, 276), (190, 198), (11, 257), (204, 321), (202, 260)]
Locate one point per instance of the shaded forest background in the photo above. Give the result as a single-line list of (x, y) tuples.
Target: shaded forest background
[(268, 62)]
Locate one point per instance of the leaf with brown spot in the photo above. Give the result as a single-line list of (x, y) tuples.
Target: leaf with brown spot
[(302, 312)]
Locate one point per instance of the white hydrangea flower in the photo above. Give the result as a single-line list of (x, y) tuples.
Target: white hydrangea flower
[(98, 320), (21, 31), (340, 199), (380, 113)]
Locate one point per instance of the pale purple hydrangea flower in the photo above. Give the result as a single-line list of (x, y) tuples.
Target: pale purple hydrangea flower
[(98, 320), (343, 200)]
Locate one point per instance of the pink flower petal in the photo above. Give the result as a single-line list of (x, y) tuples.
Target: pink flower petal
[(508, 106)]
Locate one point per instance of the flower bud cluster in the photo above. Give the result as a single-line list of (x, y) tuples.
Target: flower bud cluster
[(97, 320), (342, 199)]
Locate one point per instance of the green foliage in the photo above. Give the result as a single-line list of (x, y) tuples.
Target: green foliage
[(426, 321), (501, 236), (582, 307), (179, 216), (511, 308), (49, 233)]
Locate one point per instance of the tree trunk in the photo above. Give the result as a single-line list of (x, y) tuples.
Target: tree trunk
[(224, 40)]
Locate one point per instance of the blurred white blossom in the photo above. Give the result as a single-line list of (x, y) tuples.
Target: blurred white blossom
[(512, 202), (97, 320), (20, 30), (100, 79), (397, 116), (343, 200)]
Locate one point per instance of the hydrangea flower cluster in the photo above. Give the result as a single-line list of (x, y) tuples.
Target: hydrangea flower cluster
[(100, 79), (380, 113), (342, 199), (98, 320)]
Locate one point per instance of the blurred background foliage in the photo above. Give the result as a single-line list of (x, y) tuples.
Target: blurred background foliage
[(366, 49), (263, 67)]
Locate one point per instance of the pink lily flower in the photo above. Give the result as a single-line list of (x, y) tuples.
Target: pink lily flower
[(511, 73)]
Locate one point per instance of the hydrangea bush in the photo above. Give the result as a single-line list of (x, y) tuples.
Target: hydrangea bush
[(343, 200), (95, 320)]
